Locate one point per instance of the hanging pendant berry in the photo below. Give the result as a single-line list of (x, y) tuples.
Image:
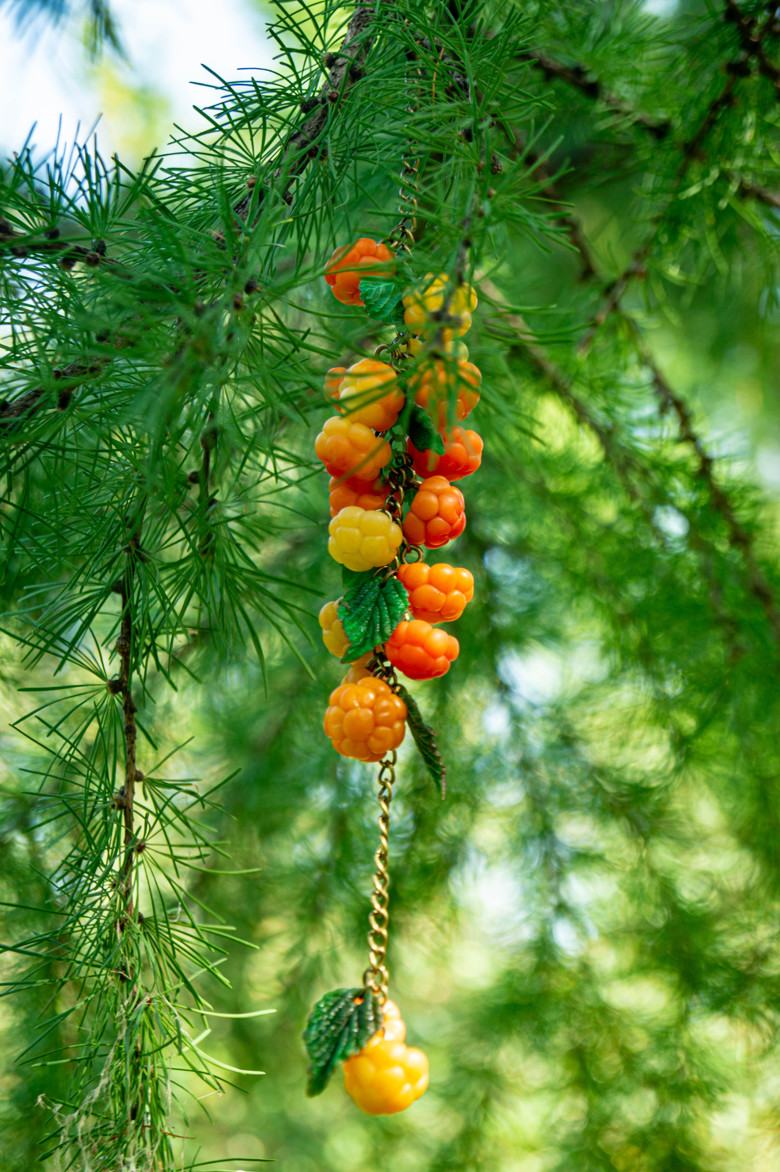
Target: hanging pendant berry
[(386, 1076)]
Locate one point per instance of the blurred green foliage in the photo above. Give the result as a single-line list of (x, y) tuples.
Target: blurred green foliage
[(584, 934)]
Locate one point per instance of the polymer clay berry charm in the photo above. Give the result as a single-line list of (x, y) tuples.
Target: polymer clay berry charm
[(437, 593), (365, 720), (462, 455), (351, 449), (436, 515), (421, 304), (420, 651), (362, 539), (333, 634), (352, 263), (369, 393), (447, 388), (387, 1076), (365, 495)]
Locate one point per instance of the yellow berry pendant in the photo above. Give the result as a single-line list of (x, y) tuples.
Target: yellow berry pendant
[(363, 539), (386, 1076)]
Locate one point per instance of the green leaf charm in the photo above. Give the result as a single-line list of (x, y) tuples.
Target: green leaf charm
[(339, 1026), (425, 740), (350, 578), (370, 612), (422, 433), (381, 299)]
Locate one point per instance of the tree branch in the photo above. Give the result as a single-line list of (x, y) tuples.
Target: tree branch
[(302, 145), (299, 150), (578, 76)]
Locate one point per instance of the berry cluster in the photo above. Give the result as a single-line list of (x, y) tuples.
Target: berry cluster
[(389, 499)]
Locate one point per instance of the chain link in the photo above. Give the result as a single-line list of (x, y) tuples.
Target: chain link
[(401, 239), (376, 977)]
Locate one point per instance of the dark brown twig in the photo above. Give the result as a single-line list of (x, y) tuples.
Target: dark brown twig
[(738, 536), (578, 76), (126, 798), (304, 144), (72, 376)]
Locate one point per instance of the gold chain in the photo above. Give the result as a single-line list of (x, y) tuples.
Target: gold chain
[(401, 239), (376, 976)]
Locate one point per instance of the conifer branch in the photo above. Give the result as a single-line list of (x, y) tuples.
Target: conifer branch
[(738, 536), (751, 36), (580, 78), (303, 144), (691, 152), (627, 466), (74, 375), (126, 797)]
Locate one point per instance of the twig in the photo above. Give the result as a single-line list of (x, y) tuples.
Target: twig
[(578, 76), (302, 145), (125, 799), (738, 536), (73, 375), (628, 467), (295, 156)]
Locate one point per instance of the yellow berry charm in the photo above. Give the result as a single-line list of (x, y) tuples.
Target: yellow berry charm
[(362, 539), (420, 304), (369, 394), (333, 634), (387, 1076)]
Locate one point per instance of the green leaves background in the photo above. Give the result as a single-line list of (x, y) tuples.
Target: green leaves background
[(583, 934)]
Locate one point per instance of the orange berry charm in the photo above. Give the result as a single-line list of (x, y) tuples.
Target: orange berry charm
[(350, 264), (420, 651), (344, 493), (351, 449), (369, 393), (386, 1076), (437, 514), (462, 455), (447, 388), (437, 593), (365, 720), (332, 382)]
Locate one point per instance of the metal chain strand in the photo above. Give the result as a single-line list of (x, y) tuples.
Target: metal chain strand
[(401, 239), (376, 976), (402, 236)]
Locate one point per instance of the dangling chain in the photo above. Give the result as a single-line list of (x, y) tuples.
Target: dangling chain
[(376, 976), (401, 238)]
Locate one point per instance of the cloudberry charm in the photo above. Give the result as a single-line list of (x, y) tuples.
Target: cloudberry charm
[(332, 382), (333, 634), (369, 394), (356, 492), (436, 515), (437, 593), (462, 455), (351, 264), (387, 1076), (365, 720), (421, 303), (420, 651), (362, 540), (351, 449), (447, 388)]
